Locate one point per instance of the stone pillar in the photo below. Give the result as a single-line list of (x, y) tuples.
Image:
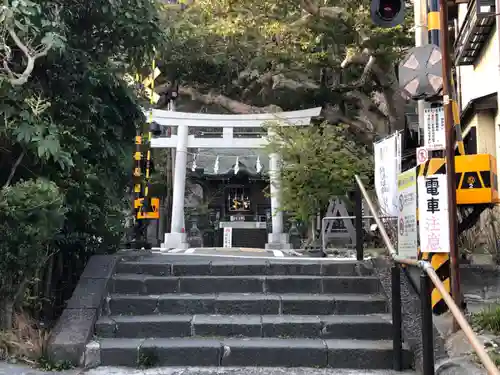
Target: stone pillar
[(177, 237), (171, 107), (276, 239)]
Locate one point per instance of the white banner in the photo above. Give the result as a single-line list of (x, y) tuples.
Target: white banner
[(386, 176), (399, 152), (228, 237), (433, 211), (434, 132), (407, 215)]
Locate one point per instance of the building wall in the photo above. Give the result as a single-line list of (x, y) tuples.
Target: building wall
[(485, 124), (476, 81), (482, 78)]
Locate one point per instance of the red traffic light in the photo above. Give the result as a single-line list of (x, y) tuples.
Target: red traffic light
[(387, 13), (389, 9)]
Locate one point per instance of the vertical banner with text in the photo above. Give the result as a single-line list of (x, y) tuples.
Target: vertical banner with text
[(399, 152), (433, 211), (227, 240), (386, 174), (407, 215)]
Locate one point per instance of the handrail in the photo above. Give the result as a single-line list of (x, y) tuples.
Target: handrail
[(429, 270)]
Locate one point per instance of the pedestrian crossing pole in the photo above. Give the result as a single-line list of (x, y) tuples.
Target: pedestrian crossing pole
[(145, 207), (450, 127)]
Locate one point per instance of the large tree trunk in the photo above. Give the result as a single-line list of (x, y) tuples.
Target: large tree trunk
[(6, 313)]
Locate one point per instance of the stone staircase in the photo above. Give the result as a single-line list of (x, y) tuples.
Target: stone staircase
[(242, 313)]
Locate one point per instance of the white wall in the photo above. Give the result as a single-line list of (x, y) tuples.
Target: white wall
[(485, 123), (482, 78)]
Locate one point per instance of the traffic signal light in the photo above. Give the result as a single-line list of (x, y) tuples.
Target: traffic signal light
[(388, 13)]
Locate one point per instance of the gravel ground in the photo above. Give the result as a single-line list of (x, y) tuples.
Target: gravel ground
[(12, 369)]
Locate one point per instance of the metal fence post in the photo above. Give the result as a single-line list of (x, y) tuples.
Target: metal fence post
[(427, 327), (397, 335), (358, 222)]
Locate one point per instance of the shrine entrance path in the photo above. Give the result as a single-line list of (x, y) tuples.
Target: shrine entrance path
[(235, 253)]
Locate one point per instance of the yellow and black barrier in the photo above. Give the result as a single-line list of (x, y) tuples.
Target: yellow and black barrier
[(475, 176), (439, 261), (476, 179)]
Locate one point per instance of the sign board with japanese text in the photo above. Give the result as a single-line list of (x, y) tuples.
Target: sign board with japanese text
[(228, 237), (434, 131), (387, 165), (433, 211), (407, 215)]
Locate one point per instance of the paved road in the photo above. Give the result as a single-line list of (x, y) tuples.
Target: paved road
[(8, 369)]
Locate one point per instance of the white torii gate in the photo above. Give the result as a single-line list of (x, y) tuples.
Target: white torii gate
[(183, 140)]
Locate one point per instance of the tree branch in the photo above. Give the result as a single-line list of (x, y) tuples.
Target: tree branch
[(361, 127), (356, 126), (14, 168), (390, 93), (20, 79), (332, 13), (231, 105)]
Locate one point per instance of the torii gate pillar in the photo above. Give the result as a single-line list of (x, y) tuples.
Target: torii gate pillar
[(277, 239), (177, 237)]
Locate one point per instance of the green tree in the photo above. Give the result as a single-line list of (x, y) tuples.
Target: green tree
[(255, 56), (31, 215), (317, 162), (69, 117)]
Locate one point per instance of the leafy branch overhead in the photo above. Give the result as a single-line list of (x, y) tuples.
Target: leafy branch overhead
[(19, 34), (255, 56)]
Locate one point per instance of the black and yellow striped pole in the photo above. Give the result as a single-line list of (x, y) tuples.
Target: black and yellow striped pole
[(445, 264), (433, 21), (452, 123), (144, 206), (441, 262), (435, 35), (456, 118), (147, 175)]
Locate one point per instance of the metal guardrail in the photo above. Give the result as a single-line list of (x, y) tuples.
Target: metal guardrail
[(427, 276)]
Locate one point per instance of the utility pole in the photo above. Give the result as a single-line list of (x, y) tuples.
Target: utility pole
[(421, 38), (450, 156)]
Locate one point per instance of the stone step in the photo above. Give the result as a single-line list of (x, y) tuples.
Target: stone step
[(145, 284), (271, 352), (369, 327), (250, 267), (257, 304)]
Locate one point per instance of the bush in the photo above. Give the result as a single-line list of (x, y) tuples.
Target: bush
[(31, 214), (488, 319), (483, 237)]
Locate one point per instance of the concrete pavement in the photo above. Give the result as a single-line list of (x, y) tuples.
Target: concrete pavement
[(239, 371), (12, 369)]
